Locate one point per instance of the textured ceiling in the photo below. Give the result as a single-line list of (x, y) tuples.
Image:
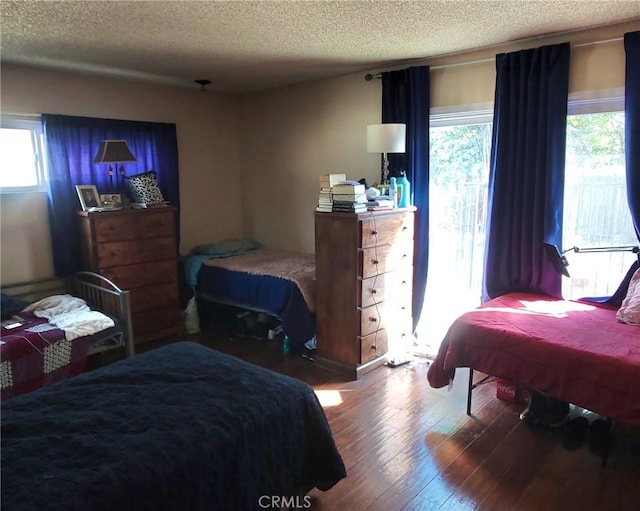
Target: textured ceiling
[(246, 45)]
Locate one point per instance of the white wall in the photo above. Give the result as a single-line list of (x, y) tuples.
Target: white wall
[(208, 153)]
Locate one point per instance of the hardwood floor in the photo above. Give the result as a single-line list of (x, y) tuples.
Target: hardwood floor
[(407, 446)]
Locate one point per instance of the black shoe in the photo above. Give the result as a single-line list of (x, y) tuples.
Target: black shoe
[(599, 437), (575, 431), (545, 412)]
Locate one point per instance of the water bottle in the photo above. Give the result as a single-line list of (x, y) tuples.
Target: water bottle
[(393, 191), (286, 345), (405, 196)]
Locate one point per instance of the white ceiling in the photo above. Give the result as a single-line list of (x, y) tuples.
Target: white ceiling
[(246, 45)]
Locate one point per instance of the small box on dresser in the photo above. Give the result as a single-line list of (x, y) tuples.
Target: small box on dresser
[(364, 274), (137, 250)]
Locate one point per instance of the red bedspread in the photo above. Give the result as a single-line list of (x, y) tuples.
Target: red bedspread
[(36, 354), (574, 351)]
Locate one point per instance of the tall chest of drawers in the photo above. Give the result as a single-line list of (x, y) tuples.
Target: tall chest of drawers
[(364, 274), (137, 250)]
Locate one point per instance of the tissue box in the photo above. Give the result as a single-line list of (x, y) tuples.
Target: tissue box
[(507, 391)]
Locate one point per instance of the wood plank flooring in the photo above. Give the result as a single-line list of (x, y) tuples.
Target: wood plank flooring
[(407, 446)]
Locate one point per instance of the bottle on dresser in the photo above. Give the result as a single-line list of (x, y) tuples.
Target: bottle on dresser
[(393, 191), (405, 196)]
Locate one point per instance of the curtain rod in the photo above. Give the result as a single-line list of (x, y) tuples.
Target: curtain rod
[(368, 77)]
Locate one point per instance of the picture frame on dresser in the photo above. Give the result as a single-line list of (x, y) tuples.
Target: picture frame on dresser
[(89, 197), (111, 200)]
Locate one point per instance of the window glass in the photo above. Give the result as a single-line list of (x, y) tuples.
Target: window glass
[(459, 176), (21, 163), (596, 211)]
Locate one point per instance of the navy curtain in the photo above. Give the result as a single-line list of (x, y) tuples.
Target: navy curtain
[(632, 124), (526, 180), (405, 99), (71, 144)]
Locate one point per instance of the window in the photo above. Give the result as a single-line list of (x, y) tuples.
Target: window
[(460, 144), (596, 211), (21, 155)]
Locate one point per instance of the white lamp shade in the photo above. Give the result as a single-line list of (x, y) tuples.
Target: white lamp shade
[(386, 138)]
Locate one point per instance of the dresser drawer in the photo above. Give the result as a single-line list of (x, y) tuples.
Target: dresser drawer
[(371, 319), (148, 297), (386, 286), (386, 230), (143, 274), (118, 253), (133, 225), (373, 346), (385, 258)]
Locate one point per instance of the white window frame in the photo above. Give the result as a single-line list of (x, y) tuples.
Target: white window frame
[(33, 124)]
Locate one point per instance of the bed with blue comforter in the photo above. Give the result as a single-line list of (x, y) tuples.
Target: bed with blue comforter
[(181, 427), (276, 282)]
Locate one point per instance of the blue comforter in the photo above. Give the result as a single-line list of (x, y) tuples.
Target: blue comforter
[(178, 428)]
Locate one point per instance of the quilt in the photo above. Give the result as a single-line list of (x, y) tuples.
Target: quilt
[(181, 427)]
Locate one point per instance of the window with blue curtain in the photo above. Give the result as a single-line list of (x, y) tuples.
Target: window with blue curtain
[(71, 144)]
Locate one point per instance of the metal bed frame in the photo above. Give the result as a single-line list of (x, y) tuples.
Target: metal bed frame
[(100, 293)]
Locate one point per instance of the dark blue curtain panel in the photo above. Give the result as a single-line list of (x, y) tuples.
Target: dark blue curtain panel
[(526, 179), (632, 124), (405, 99)]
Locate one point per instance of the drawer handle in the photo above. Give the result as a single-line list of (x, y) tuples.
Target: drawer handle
[(374, 291), (404, 256), (373, 320), (374, 347), (374, 233), (375, 261), (404, 282), (404, 228)]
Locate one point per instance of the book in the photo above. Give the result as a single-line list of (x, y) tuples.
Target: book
[(353, 207), (381, 201), (348, 187), (328, 180), (349, 197)]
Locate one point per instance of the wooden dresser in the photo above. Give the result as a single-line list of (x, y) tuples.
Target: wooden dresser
[(364, 274), (137, 250)]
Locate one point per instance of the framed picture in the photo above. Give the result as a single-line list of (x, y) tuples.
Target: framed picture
[(89, 197), (111, 200)]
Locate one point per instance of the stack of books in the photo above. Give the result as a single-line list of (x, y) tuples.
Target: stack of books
[(349, 196), (327, 182)]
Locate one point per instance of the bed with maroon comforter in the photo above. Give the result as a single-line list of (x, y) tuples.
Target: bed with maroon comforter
[(571, 350)]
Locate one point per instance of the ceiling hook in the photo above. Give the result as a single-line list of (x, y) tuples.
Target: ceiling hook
[(203, 84)]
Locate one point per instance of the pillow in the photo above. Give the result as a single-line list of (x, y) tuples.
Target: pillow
[(226, 247), (10, 305), (144, 188), (629, 311)]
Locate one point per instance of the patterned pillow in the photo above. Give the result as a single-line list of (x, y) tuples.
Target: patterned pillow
[(144, 188), (629, 311)]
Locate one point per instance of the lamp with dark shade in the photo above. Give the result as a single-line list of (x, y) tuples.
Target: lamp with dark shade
[(114, 151), (560, 262), (386, 138)]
